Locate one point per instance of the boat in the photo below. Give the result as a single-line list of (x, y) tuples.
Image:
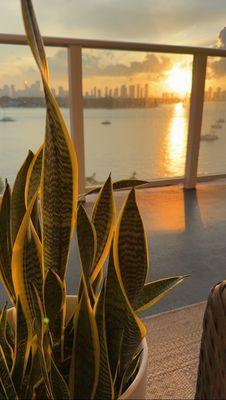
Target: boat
[(7, 119), (106, 122), (216, 126), (221, 120), (209, 137)]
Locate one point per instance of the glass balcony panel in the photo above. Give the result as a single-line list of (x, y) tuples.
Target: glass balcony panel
[(135, 115), (22, 112), (213, 134)]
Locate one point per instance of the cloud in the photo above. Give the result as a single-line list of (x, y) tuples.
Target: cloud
[(217, 69), (151, 64)]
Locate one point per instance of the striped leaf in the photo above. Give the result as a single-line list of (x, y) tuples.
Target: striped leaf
[(130, 249), (105, 387), (59, 187), (22, 348), (26, 264), (123, 184), (87, 245), (3, 340), (54, 298), (33, 180), (39, 327), (18, 207), (115, 312), (5, 378), (59, 386), (84, 370), (154, 291), (5, 244), (130, 372), (103, 220)]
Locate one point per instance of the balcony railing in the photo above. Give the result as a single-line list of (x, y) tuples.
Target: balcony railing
[(74, 48)]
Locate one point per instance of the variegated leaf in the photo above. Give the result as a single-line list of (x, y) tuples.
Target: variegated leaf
[(130, 249), (154, 291), (54, 299), (33, 180), (5, 244), (117, 313), (5, 379), (84, 370), (59, 386), (22, 348), (87, 244), (3, 341), (123, 184), (18, 207), (105, 387), (103, 221), (59, 187), (43, 348), (26, 264), (130, 372)]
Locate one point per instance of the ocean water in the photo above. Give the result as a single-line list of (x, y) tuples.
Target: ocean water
[(145, 143)]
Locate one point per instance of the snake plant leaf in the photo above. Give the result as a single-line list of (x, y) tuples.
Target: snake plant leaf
[(103, 220), (33, 180), (39, 329), (130, 249), (123, 184), (18, 207), (105, 387), (87, 245), (84, 370), (5, 245), (54, 299), (115, 312), (130, 372), (26, 264), (59, 386), (132, 338), (154, 291), (32, 186), (22, 347), (3, 341), (59, 186), (5, 378)]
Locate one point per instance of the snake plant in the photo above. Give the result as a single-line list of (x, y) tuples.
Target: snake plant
[(95, 353)]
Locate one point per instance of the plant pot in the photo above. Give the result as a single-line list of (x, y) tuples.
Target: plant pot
[(137, 390)]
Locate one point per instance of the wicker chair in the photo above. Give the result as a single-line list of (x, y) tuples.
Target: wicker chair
[(211, 380)]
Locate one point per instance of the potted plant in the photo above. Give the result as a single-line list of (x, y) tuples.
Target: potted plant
[(53, 346)]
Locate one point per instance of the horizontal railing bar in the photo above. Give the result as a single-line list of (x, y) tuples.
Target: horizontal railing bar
[(12, 39), (170, 182)]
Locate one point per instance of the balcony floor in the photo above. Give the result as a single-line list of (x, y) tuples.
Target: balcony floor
[(186, 235)]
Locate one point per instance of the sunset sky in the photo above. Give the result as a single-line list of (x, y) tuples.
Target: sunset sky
[(198, 23)]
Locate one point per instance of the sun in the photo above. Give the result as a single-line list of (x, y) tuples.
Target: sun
[(179, 80)]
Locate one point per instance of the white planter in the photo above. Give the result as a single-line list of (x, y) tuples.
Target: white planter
[(137, 390)]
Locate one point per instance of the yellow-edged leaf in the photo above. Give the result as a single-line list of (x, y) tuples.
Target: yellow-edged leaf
[(18, 207), (33, 180), (59, 187), (22, 348), (153, 291), (6, 245), (5, 378), (130, 249), (84, 370), (105, 386), (59, 386), (103, 221), (26, 264)]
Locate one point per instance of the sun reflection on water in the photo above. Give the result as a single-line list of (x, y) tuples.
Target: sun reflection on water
[(176, 141)]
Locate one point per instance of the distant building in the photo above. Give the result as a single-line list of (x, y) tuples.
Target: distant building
[(116, 93), (138, 91), (123, 92), (132, 91), (146, 91)]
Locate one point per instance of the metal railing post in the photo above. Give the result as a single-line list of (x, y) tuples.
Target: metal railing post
[(76, 109), (195, 120)]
